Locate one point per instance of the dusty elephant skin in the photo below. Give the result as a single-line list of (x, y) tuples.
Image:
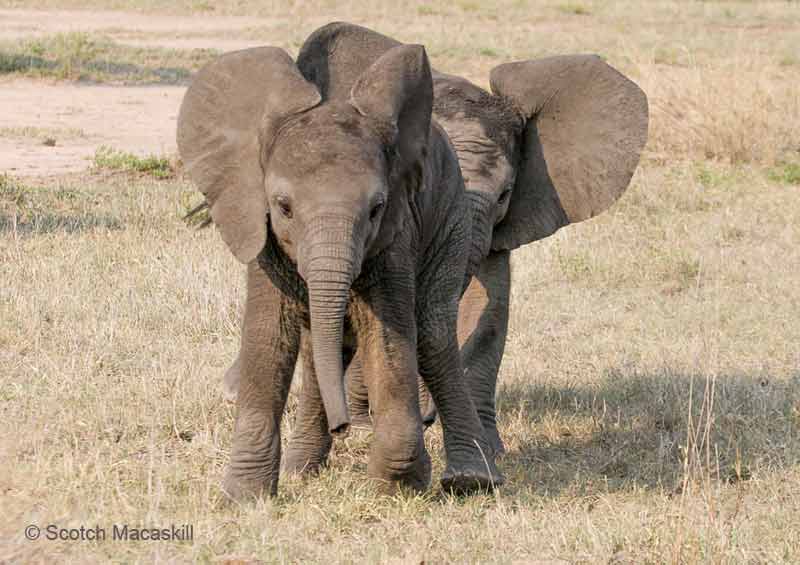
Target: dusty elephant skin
[(349, 213), (556, 142)]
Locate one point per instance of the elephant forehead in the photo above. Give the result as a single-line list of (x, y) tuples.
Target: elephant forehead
[(476, 114), (483, 160), (327, 140)]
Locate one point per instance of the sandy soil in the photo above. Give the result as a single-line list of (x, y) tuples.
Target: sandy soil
[(136, 119), (18, 23)]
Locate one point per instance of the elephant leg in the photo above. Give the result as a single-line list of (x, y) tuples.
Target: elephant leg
[(358, 399), (386, 334), (482, 329), (426, 404), (230, 383), (310, 442), (357, 395), (270, 343), (470, 458)]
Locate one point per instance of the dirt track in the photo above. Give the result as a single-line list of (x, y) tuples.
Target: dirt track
[(136, 119), (139, 119)]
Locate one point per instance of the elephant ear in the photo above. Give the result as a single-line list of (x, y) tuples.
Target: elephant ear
[(585, 130), (230, 111), (397, 91), (335, 55)]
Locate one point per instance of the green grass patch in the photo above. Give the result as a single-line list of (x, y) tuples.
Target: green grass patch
[(712, 175), (33, 132), (152, 165), (12, 191), (786, 173), (575, 9), (81, 56), (576, 266)]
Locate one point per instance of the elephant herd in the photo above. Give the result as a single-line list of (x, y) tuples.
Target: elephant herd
[(375, 202)]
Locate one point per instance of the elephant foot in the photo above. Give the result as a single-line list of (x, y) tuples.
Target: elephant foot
[(416, 477), (398, 457), (243, 491), (428, 415), (475, 475), (493, 437), (306, 460)]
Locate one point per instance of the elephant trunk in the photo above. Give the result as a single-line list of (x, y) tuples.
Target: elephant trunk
[(330, 263), (482, 225)]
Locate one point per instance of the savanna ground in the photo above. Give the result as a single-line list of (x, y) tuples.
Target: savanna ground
[(650, 392)]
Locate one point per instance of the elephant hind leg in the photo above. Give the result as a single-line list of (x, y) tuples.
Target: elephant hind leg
[(357, 394), (426, 404), (358, 399)]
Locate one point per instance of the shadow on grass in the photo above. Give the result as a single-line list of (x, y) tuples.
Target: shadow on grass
[(42, 223), (632, 431)]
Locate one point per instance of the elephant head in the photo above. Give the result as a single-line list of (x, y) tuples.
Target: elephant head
[(327, 178), (555, 142)]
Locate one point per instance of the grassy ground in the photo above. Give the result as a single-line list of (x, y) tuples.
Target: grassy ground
[(650, 394), (83, 56)]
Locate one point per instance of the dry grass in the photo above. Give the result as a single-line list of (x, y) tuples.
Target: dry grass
[(650, 394), (82, 56)]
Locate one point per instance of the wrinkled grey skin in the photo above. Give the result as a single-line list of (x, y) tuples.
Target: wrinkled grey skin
[(365, 245), (556, 142)]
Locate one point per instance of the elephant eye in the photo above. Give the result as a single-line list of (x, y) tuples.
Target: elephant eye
[(376, 210), (284, 205), (504, 195)]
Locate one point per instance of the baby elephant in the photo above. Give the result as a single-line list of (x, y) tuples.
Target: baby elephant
[(350, 214), (555, 142)]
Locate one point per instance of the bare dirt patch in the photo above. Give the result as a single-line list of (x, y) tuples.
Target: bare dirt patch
[(23, 23), (140, 120)]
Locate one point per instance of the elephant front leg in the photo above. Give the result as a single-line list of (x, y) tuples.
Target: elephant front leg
[(470, 457), (270, 342), (310, 442), (230, 383), (482, 330), (387, 350)]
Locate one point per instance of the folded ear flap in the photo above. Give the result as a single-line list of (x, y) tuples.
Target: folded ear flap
[(397, 91), (585, 130), (336, 54), (229, 112)]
